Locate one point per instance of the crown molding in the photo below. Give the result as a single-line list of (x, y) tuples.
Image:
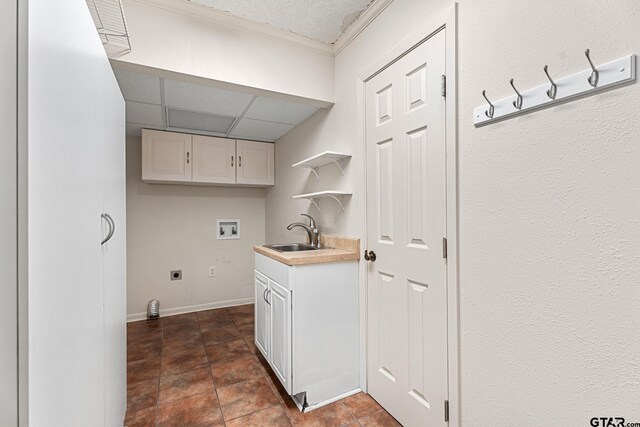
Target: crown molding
[(242, 24), (360, 24)]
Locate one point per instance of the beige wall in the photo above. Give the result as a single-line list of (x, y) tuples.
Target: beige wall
[(193, 45), (172, 227), (548, 235), (549, 239)]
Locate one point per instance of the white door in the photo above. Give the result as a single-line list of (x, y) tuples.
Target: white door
[(262, 315), (214, 160), (166, 156), (280, 300), (255, 163), (406, 223), (113, 251)]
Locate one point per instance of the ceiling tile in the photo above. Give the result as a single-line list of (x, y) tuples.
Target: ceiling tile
[(205, 98), (147, 114), (139, 87), (198, 122), (274, 110), (258, 129)]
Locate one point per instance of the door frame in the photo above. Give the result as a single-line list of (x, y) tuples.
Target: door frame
[(447, 21), (9, 360)]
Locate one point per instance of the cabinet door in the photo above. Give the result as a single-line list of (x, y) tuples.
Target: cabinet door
[(255, 163), (113, 251), (214, 160), (65, 383), (280, 300), (262, 315), (166, 156)]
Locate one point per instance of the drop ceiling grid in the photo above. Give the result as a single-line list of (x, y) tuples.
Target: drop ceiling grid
[(149, 99)]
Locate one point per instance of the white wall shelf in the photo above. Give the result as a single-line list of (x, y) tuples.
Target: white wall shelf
[(338, 196), (325, 158)]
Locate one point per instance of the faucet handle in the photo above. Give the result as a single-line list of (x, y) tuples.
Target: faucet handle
[(312, 222)]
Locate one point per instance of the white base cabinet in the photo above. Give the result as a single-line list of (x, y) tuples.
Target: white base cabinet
[(307, 328)]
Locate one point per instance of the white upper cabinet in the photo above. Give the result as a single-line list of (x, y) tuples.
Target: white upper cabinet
[(180, 158), (166, 156), (214, 160), (255, 163)]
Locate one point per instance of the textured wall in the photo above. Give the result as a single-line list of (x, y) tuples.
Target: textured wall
[(549, 237), (171, 227), (549, 232)]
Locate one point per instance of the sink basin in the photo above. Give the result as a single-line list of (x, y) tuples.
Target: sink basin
[(291, 247)]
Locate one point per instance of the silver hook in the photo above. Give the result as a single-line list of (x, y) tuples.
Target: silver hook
[(518, 102), (553, 90), (491, 107), (595, 74)]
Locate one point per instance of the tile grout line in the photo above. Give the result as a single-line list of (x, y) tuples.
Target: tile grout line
[(244, 338), (157, 419), (213, 382)]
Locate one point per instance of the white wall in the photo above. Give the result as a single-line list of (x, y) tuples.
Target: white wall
[(171, 227), (183, 43), (8, 217), (548, 236)]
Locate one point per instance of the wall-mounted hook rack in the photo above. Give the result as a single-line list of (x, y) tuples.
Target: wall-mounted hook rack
[(610, 75)]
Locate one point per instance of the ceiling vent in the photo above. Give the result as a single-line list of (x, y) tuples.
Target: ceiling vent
[(197, 122)]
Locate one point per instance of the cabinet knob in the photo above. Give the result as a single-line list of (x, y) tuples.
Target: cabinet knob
[(369, 255)]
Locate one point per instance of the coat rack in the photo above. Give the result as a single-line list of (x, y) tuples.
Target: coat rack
[(588, 82)]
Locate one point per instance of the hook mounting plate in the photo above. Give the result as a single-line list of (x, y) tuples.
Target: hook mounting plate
[(616, 73)]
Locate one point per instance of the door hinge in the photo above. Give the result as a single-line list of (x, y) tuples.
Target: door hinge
[(444, 86), (446, 411), (444, 247)]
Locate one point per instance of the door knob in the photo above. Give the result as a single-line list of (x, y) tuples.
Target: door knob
[(369, 255)]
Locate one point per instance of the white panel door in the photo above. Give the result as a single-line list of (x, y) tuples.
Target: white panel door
[(255, 163), (214, 160), (280, 300), (113, 251), (406, 222), (166, 156), (262, 314)]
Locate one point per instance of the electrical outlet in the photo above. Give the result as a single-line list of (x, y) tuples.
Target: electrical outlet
[(176, 275), (212, 272)]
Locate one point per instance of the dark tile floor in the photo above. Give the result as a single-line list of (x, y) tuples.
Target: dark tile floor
[(203, 369)]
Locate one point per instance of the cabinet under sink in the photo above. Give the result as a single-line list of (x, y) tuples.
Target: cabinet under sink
[(307, 328)]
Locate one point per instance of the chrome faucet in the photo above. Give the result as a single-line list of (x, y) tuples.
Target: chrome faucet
[(312, 230)]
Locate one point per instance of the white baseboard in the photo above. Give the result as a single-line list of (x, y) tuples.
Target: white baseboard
[(192, 308)]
